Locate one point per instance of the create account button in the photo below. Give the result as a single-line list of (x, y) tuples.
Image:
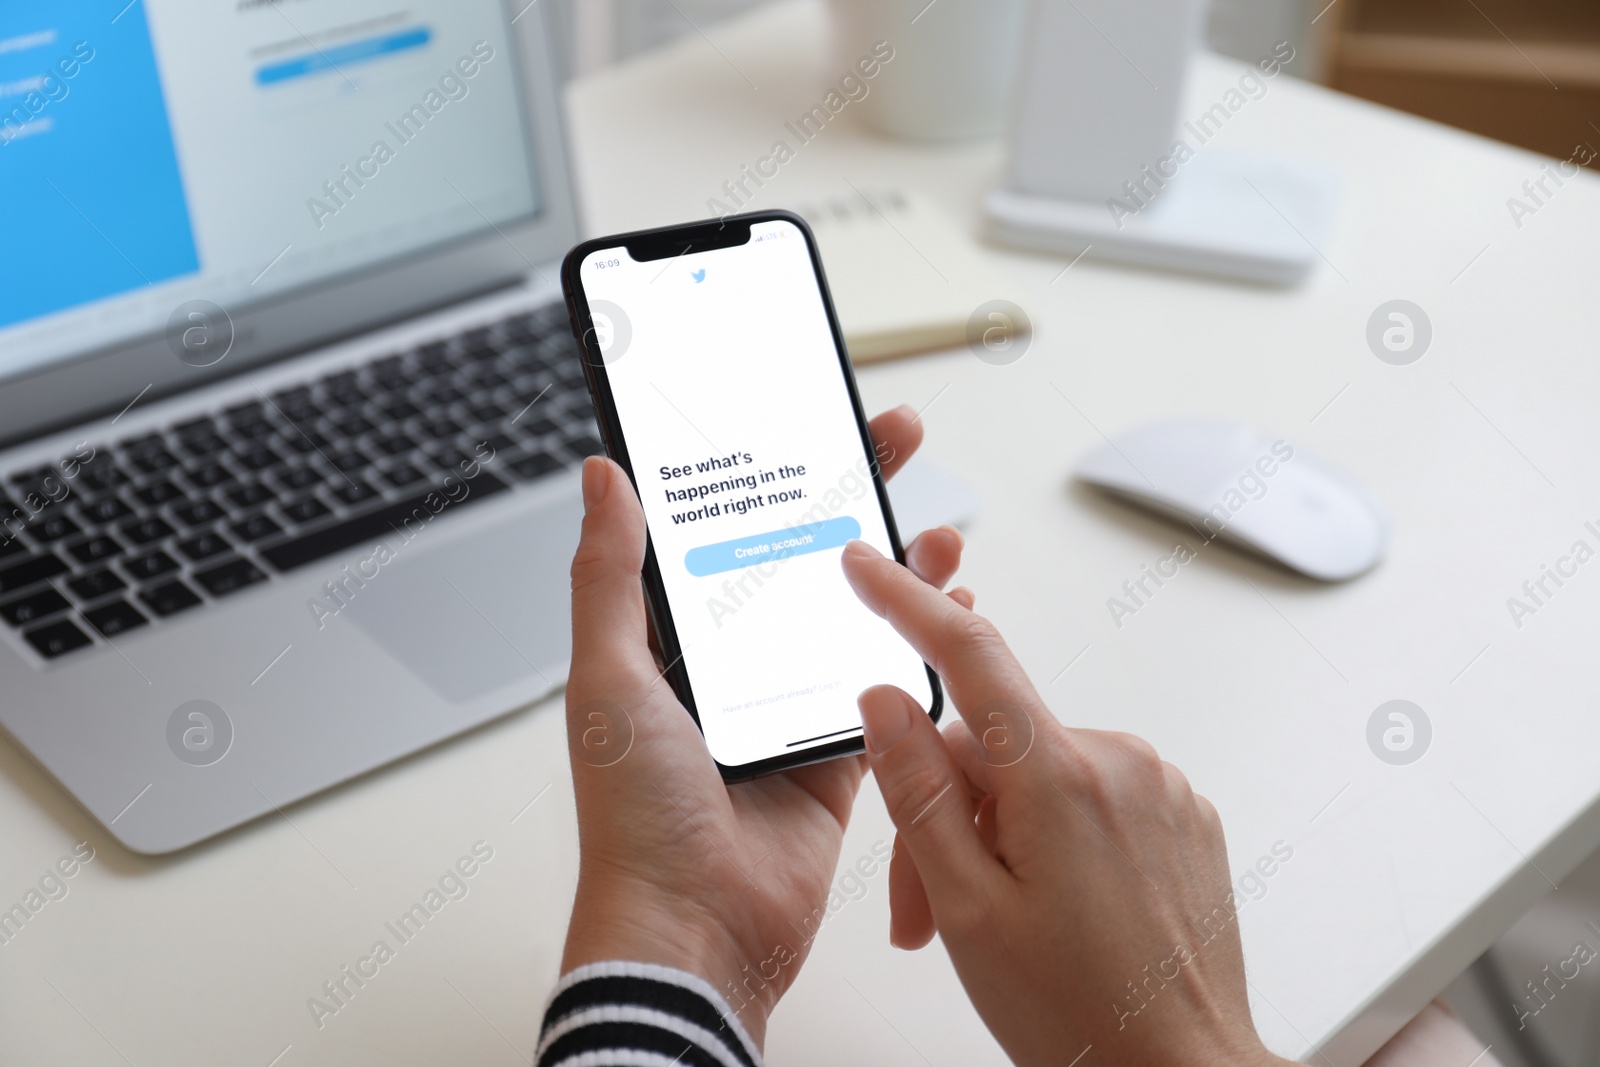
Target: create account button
[(779, 544)]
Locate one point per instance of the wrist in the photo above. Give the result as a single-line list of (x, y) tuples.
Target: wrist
[(618, 919), (1222, 1045), (1256, 1055)]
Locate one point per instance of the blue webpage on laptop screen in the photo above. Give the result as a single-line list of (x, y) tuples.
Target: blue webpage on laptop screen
[(154, 152), (80, 100)]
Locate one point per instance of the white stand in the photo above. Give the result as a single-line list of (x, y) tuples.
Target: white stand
[(1227, 213), (1095, 165)]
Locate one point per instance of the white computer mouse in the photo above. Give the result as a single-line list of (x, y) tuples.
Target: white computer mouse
[(1231, 483)]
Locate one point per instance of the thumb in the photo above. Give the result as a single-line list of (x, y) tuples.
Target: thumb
[(610, 639), (927, 796)]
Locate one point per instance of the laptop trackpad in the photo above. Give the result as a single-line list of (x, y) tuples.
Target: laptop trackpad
[(481, 611)]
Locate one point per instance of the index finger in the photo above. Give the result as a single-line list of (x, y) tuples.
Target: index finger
[(964, 649), (896, 434)]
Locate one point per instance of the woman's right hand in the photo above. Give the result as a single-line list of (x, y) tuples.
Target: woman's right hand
[(1078, 883)]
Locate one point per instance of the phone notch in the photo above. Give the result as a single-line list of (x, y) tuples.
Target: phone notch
[(681, 240)]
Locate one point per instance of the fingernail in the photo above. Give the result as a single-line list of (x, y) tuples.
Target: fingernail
[(906, 409), (961, 542), (861, 550), (885, 719), (596, 481)]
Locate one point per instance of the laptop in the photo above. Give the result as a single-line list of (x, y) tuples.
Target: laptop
[(290, 411)]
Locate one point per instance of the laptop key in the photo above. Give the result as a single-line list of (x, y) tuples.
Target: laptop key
[(441, 429), (365, 527), (250, 495), (96, 584), (301, 410), (144, 443), (353, 492), (299, 478), (243, 412), (57, 639), (52, 526), (354, 426), (403, 475), (296, 404), (43, 486), (530, 389), (94, 549), (394, 445), (31, 571), (143, 568), (256, 430), (347, 394), (105, 510), (10, 546), (34, 607), (204, 445), (401, 409), (305, 443), (435, 363), (575, 403), (585, 445), (170, 598), (255, 527), (230, 577), (347, 460), (102, 475), (537, 465), (500, 442), (258, 459), (209, 475), (157, 493), (144, 531), (154, 461), (204, 547), (114, 618), (445, 394), (309, 509), (194, 426), (199, 513)]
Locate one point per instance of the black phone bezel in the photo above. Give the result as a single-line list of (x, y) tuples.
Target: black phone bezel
[(671, 241)]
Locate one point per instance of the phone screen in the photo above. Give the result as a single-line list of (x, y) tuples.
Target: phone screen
[(742, 432)]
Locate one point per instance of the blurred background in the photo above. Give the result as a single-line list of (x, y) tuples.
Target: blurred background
[(1522, 71), (604, 31)]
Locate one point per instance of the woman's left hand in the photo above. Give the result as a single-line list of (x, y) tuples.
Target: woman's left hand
[(678, 868)]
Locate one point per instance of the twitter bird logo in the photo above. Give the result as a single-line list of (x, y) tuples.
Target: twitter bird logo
[(699, 275)]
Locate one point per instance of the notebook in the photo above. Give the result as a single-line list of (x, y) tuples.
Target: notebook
[(905, 277)]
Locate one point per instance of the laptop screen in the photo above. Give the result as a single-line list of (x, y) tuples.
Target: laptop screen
[(161, 155)]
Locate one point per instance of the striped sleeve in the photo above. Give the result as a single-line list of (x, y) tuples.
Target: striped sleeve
[(619, 1014)]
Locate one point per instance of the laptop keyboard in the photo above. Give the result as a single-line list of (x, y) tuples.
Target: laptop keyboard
[(160, 524)]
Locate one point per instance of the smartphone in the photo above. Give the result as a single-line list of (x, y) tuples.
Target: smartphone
[(722, 386)]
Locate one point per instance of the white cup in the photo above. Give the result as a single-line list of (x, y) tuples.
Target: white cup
[(954, 63)]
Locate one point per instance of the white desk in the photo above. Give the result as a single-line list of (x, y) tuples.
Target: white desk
[(1257, 684)]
